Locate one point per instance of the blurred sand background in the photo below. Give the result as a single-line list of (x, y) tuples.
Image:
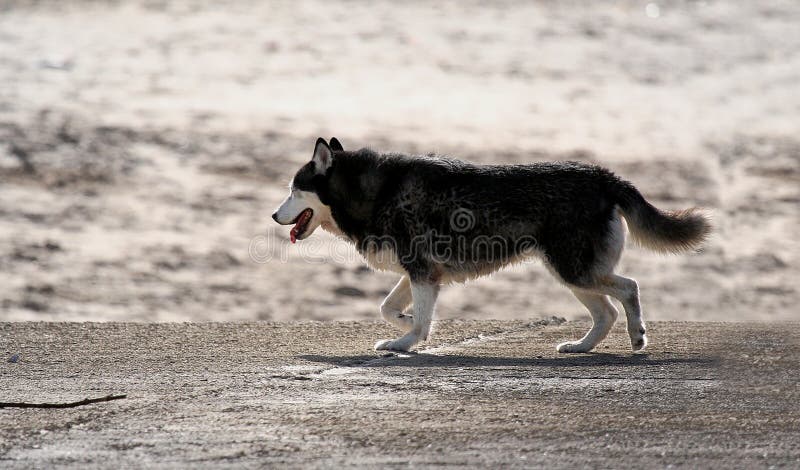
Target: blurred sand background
[(144, 145)]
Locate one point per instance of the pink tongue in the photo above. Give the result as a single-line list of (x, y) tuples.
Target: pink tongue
[(300, 222)]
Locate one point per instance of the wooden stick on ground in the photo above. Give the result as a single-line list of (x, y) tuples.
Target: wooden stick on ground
[(73, 404)]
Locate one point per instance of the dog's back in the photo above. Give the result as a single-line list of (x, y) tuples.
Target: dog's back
[(497, 213)]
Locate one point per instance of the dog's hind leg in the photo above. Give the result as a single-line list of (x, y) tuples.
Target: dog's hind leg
[(424, 298), (626, 291), (603, 317), (596, 278), (395, 304)]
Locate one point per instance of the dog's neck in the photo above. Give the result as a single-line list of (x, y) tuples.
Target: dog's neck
[(330, 226)]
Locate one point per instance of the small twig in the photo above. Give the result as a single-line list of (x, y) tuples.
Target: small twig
[(87, 401)]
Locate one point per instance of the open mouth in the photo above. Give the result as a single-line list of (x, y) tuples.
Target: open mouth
[(301, 224)]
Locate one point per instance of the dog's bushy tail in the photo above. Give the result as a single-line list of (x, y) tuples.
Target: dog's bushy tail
[(662, 231)]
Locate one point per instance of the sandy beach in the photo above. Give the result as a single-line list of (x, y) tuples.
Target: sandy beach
[(144, 145)]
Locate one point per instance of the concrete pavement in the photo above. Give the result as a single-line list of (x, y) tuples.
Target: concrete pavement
[(480, 393)]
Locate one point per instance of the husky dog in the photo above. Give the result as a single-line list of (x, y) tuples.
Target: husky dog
[(437, 220)]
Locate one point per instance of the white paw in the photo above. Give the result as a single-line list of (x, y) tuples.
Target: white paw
[(638, 338), (574, 347), (638, 343), (400, 344)]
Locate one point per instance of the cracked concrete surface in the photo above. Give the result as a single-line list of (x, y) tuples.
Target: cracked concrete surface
[(480, 393)]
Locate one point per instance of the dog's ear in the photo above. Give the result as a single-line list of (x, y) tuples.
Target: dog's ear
[(322, 156), (336, 146)]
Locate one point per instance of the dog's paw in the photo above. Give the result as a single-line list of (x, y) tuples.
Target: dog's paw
[(574, 347), (638, 338), (401, 344), (638, 343)]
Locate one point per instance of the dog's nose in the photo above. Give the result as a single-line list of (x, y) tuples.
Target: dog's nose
[(275, 217)]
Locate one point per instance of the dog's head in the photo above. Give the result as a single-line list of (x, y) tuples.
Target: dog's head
[(303, 207)]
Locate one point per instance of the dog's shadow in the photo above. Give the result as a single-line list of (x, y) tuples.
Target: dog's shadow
[(435, 360)]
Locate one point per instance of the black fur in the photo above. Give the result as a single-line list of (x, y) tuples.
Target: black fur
[(659, 230), (335, 145), (561, 209)]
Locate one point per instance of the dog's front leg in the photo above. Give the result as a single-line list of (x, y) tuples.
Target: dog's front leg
[(424, 299), (395, 304)]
